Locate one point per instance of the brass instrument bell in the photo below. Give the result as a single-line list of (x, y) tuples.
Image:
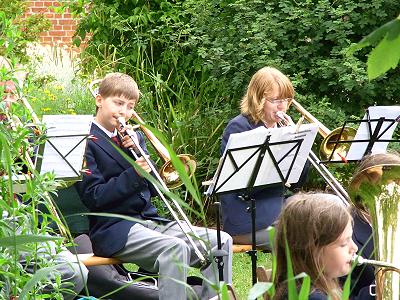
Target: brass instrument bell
[(375, 188), (330, 136)]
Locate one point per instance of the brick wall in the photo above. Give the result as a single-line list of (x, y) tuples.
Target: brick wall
[(63, 25)]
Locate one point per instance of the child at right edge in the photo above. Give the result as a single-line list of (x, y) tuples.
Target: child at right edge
[(318, 230)]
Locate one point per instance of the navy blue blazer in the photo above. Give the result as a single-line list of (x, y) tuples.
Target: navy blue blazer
[(364, 275), (269, 201), (112, 187)]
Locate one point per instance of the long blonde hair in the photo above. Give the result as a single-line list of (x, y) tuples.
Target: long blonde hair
[(261, 84), (308, 223)]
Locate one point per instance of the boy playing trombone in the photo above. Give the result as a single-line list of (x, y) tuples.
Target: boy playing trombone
[(113, 186)]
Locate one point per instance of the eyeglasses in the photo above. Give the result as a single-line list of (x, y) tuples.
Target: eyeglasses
[(280, 101)]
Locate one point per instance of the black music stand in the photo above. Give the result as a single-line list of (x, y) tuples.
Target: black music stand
[(373, 135), (63, 152), (281, 151)]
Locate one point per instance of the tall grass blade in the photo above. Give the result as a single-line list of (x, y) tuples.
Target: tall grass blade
[(41, 274), (292, 290), (12, 241)]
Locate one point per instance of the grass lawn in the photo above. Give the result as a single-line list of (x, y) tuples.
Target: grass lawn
[(241, 271)]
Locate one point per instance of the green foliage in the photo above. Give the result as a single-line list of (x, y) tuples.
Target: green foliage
[(386, 53), (17, 31), (305, 39), (21, 233), (193, 59), (53, 98)]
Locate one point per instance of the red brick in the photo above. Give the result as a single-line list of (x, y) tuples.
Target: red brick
[(38, 4), (68, 27), (57, 33), (38, 10), (47, 39), (67, 40), (66, 22)]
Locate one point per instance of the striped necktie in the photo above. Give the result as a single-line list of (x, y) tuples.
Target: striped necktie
[(116, 140)]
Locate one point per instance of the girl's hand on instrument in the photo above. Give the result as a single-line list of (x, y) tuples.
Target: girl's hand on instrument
[(143, 164)]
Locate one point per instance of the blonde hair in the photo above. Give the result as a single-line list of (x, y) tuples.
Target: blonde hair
[(119, 84), (261, 85), (308, 223)]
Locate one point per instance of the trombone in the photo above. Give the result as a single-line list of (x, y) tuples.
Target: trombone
[(167, 172), (331, 137), (314, 160), (136, 155), (136, 152)]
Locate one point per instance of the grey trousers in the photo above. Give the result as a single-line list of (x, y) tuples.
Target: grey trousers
[(73, 274), (165, 249)]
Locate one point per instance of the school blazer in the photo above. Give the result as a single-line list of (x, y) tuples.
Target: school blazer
[(113, 186), (269, 201), (362, 276)]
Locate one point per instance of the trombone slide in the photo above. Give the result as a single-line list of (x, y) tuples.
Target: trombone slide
[(137, 152)]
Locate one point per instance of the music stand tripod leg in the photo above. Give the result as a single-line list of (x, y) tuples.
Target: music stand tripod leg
[(253, 252), (219, 253)]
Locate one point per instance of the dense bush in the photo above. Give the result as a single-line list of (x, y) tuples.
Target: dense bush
[(307, 40), (194, 58)]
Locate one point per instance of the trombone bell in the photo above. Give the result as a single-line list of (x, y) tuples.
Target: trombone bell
[(329, 142), (170, 175), (330, 137)]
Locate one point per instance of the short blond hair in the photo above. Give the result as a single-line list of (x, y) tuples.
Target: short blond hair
[(261, 84), (119, 84)]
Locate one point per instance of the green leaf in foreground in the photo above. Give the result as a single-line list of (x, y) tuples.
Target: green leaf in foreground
[(386, 54), (259, 289)]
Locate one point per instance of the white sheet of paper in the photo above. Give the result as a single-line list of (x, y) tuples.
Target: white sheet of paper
[(230, 179), (357, 150), (58, 126)]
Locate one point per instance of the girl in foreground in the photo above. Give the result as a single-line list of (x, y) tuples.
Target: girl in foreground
[(318, 230)]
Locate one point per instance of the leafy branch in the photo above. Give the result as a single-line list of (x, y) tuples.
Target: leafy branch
[(386, 54)]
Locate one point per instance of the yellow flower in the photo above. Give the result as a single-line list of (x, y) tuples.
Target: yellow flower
[(46, 109)]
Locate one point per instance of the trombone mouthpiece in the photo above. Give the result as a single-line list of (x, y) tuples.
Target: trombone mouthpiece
[(121, 121), (279, 114)]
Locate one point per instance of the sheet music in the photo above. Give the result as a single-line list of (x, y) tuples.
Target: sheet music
[(228, 177), (357, 150), (67, 134)]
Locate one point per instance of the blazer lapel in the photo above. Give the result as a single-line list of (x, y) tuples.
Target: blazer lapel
[(106, 144)]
